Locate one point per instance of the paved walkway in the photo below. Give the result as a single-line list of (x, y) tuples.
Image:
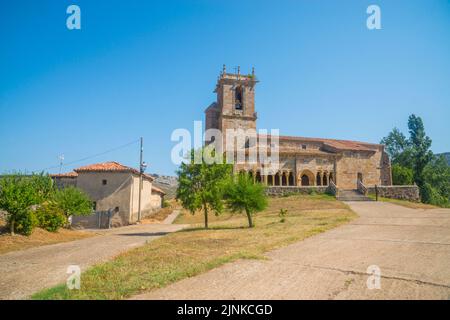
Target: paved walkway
[(22, 273), (410, 246)]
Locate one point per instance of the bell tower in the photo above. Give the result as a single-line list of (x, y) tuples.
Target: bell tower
[(235, 105)]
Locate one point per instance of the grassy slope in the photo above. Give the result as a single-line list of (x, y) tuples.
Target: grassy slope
[(192, 251)]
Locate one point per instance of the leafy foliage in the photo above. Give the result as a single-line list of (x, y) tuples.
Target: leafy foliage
[(396, 143), (413, 156), (282, 215), (73, 201), (201, 185), (420, 144), (31, 200), (402, 175), (244, 195), (437, 185), (18, 193), (50, 217)]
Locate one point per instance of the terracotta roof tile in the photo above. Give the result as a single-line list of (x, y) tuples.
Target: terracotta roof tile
[(111, 166), (339, 145), (158, 190)]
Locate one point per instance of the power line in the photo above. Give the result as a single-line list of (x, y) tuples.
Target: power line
[(92, 156)]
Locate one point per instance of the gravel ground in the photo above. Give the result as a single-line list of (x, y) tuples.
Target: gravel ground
[(411, 247)]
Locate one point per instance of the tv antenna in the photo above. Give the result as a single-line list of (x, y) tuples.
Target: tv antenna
[(61, 160)]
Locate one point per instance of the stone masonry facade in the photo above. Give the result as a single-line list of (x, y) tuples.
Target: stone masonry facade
[(302, 161)]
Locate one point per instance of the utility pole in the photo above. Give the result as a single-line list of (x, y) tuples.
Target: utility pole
[(141, 172)]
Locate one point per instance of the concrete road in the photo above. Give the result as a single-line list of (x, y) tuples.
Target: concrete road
[(411, 248), (22, 273)]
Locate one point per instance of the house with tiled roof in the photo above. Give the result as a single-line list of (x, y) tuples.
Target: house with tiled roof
[(114, 188), (302, 161)]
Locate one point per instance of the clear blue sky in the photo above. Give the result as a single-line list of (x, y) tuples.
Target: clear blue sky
[(145, 68)]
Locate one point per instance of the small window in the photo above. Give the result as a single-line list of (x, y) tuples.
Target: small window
[(104, 182), (116, 209), (94, 205), (304, 146)]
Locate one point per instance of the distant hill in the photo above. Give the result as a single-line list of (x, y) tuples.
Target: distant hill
[(446, 155), (168, 184)]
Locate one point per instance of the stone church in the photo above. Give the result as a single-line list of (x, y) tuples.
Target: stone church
[(302, 161)]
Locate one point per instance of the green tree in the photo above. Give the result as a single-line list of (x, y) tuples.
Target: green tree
[(244, 195), (413, 153), (437, 182), (17, 196), (420, 144), (43, 187), (200, 185), (402, 175), (395, 143), (73, 201)]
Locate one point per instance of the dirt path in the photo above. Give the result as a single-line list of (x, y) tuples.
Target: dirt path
[(410, 246), (24, 272)]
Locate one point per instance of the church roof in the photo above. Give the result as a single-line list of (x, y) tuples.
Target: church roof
[(337, 145), (334, 144)]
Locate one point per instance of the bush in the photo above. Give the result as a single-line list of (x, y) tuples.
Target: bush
[(165, 204), (432, 196), (50, 217), (282, 215), (24, 222), (73, 201), (402, 175)]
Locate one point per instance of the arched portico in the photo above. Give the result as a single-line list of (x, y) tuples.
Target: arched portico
[(319, 179), (306, 178)]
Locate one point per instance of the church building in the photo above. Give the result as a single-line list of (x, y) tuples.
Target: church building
[(302, 161)]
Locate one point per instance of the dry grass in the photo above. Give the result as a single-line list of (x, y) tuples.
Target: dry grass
[(192, 251), (293, 204), (39, 237), (405, 203)]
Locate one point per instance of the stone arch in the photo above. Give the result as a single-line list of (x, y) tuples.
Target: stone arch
[(306, 178), (331, 177), (318, 179), (250, 174), (258, 177), (284, 179), (270, 180), (277, 179), (325, 179), (291, 179)]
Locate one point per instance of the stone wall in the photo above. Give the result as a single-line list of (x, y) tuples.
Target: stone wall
[(64, 182), (410, 193), (280, 191)]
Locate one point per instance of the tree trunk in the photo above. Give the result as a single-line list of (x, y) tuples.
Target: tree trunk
[(205, 210), (11, 226), (249, 217)]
